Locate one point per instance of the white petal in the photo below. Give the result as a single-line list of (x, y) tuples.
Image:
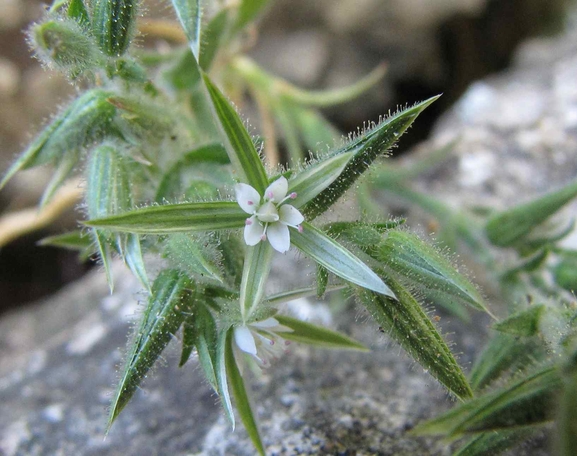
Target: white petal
[(268, 323), (290, 215), (279, 237), (245, 340), (276, 191), (252, 231), (247, 198)]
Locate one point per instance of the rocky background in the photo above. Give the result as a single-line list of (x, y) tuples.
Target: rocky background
[(517, 137)]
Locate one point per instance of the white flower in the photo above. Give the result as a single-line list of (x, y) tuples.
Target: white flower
[(261, 341), (270, 217)]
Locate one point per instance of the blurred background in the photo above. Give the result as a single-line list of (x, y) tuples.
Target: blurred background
[(429, 47)]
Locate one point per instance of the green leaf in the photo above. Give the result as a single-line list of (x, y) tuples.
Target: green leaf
[(307, 333), (163, 315), (73, 240), (322, 280), (64, 169), (567, 416), (504, 354), (286, 296), (514, 225), (241, 398), (366, 148), (495, 442), (221, 374), (336, 259), (211, 38), (103, 247), (206, 342), (188, 339), (248, 10), (331, 97), (527, 401), (257, 263), (189, 13), (310, 182), (132, 255), (113, 24), (171, 218), (81, 124), (420, 266), (196, 257), (77, 10), (404, 321), (238, 144), (523, 323)]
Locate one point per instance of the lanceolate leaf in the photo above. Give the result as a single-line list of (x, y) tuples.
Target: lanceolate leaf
[(211, 38), (495, 442), (206, 342), (408, 257), (307, 333), (243, 155), (165, 311), (133, 258), (84, 121), (170, 218), (316, 178), (196, 257), (376, 142), (73, 240), (189, 14), (504, 353), (257, 263), (404, 321), (336, 259), (523, 323), (241, 398), (221, 374), (509, 227), (525, 402)]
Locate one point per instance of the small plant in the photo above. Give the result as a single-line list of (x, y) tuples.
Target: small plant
[(176, 184)]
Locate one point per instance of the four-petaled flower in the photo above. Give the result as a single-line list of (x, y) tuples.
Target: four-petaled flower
[(270, 217), (261, 341)]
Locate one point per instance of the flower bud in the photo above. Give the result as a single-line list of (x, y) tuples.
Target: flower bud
[(113, 24), (65, 45)]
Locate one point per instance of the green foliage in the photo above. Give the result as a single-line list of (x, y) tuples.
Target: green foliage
[(165, 152)]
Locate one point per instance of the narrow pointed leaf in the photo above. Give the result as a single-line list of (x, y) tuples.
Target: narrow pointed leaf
[(504, 354), (281, 298), (211, 39), (188, 339), (404, 321), (189, 13), (248, 10), (241, 398), (239, 146), (524, 323), (495, 442), (257, 263), (103, 247), (425, 269), (163, 315), (221, 375), (206, 342), (307, 333), (322, 280), (63, 171), (527, 401), (73, 240), (77, 10), (132, 255), (113, 24), (567, 416), (366, 148), (83, 122), (336, 259), (317, 177), (512, 226), (196, 257), (170, 218)]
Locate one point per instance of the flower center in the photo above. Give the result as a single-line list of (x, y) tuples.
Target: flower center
[(268, 213)]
